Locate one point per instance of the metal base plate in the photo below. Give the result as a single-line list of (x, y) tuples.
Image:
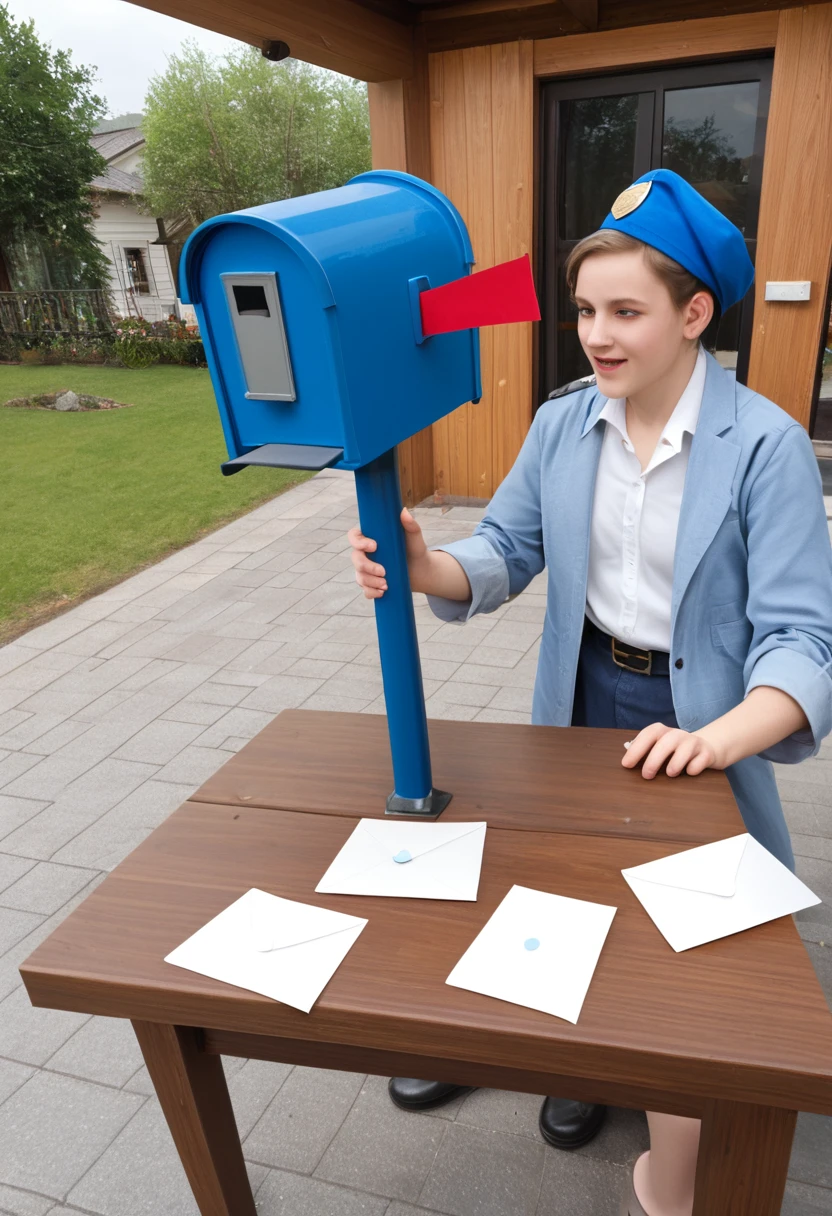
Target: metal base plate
[(419, 808)]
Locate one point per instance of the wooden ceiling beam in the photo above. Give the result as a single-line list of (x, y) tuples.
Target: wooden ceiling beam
[(622, 14), (464, 23), (480, 22), (584, 11), (336, 34), (670, 42)]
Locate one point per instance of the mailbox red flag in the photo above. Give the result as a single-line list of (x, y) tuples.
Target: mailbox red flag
[(498, 296)]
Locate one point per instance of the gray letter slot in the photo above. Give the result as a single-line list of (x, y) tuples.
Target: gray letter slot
[(257, 317)]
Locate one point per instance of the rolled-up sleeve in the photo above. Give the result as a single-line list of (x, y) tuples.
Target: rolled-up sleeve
[(790, 591), (487, 574), (506, 551)]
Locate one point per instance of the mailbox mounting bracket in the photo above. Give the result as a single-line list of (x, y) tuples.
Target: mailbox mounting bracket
[(419, 808), (415, 287)]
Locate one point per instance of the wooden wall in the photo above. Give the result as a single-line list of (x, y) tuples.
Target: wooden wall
[(481, 128), (705, 38), (795, 230), (467, 120), (400, 131)]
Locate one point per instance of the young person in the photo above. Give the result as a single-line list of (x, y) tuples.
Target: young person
[(681, 519)]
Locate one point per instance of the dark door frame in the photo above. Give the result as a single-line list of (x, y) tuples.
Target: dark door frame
[(651, 86)]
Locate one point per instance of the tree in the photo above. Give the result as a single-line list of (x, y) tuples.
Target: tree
[(228, 132), (705, 156), (47, 114), (598, 135)]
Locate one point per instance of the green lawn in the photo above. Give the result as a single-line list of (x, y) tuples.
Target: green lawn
[(88, 498)]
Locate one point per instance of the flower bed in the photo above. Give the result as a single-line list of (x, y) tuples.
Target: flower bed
[(64, 400), (133, 342), (138, 343)]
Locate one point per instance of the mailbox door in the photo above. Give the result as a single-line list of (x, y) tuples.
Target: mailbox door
[(275, 354)]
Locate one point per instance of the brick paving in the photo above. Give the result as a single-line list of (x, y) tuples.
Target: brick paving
[(110, 716)]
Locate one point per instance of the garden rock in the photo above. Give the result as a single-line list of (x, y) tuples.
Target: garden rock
[(67, 401)]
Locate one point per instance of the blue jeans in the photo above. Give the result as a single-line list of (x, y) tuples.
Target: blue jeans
[(610, 696)]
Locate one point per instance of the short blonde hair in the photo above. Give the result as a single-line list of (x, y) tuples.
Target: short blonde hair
[(681, 284)]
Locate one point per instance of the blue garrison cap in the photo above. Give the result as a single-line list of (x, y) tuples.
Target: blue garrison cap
[(663, 210)]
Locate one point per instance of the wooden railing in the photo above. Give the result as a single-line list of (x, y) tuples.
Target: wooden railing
[(45, 314)]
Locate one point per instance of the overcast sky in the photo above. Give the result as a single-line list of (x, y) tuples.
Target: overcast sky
[(125, 43)]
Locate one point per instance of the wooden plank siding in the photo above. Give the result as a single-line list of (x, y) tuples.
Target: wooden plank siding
[(400, 131), (795, 226), (512, 373), (481, 157), (118, 226)]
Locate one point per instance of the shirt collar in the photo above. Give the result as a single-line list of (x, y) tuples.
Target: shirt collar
[(685, 414)]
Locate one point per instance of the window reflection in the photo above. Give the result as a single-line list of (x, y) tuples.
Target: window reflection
[(709, 140), (709, 132), (599, 150)]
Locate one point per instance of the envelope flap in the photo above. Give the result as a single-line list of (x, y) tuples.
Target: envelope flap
[(412, 840), (709, 869), (277, 923)]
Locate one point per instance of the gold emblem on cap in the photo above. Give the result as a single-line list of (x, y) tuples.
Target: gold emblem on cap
[(630, 198)]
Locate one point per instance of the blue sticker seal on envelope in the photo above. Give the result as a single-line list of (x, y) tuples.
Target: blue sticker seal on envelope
[(531, 943), (401, 857)]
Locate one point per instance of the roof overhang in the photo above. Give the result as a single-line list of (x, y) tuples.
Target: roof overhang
[(375, 40), (338, 34)]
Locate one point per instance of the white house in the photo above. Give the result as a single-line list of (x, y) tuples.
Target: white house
[(142, 281)]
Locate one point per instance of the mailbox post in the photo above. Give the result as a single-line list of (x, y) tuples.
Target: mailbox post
[(379, 510)]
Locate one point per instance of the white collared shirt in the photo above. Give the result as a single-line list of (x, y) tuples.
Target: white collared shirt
[(635, 516)]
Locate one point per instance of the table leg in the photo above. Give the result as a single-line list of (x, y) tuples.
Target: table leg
[(192, 1090), (743, 1159)]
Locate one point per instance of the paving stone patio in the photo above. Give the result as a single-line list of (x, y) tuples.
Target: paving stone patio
[(110, 716)]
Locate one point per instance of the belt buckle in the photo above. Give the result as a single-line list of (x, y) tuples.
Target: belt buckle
[(647, 655)]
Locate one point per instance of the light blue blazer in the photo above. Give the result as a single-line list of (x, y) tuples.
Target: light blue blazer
[(752, 577)]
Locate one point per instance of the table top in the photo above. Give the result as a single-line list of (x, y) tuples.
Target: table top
[(741, 1018), (518, 777)]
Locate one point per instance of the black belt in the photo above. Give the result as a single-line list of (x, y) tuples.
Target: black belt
[(632, 658)]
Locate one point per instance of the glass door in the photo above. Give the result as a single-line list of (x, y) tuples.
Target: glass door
[(706, 123)]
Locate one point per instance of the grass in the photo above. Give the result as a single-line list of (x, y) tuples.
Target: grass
[(89, 498)]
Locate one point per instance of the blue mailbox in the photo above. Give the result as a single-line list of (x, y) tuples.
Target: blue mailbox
[(309, 312), (310, 315)]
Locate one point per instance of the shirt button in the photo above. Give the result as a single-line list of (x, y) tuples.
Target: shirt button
[(680, 663)]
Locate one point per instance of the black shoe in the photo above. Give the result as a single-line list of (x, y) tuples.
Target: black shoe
[(568, 1124), (411, 1094)]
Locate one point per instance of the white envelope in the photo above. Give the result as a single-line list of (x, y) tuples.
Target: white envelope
[(537, 950), (277, 947), (715, 890), (411, 860)]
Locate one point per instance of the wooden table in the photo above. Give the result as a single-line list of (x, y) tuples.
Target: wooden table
[(736, 1032)]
